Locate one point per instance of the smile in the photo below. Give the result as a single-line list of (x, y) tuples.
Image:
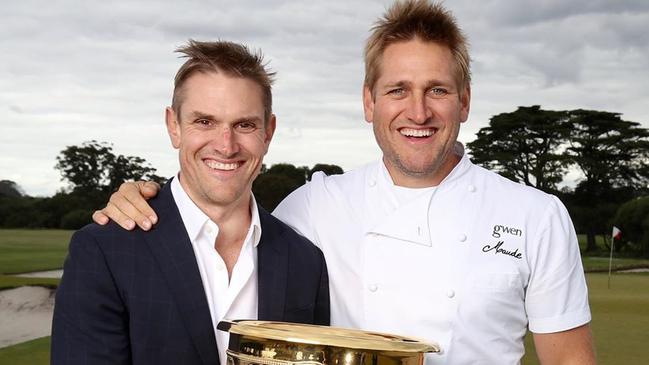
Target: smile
[(419, 133), (216, 165)]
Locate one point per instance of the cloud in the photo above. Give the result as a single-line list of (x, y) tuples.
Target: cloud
[(74, 71)]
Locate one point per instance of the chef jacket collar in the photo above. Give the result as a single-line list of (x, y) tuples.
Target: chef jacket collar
[(408, 220)]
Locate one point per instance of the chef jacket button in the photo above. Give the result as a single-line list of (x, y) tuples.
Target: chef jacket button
[(462, 237), (373, 288), (450, 293), (472, 188), (372, 182)]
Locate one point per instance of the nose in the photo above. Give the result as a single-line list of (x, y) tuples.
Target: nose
[(226, 142), (418, 111)]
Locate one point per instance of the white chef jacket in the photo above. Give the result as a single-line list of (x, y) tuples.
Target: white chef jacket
[(234, 297), (467, 264)]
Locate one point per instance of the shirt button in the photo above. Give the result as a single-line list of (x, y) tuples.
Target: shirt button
[(450, 293), (373, 288), (372, 182), (462, 237), (472, 188)]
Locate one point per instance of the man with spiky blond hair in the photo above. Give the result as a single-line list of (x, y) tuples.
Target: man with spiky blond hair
[(425, 243)]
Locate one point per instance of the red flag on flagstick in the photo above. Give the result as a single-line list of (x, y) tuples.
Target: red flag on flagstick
[(617, 234)]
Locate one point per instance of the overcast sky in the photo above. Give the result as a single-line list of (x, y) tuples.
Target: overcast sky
[(73, 71)]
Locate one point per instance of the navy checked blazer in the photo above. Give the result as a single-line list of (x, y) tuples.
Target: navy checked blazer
[(136, 297)]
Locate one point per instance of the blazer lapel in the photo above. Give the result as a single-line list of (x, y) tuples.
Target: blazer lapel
[(170, 246), (272, 261)]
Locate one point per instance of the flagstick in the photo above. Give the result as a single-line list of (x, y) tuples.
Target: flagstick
[(610, 262)]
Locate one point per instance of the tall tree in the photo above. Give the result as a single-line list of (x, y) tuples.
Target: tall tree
[(525, 146), (613, 156), (128, 168), (86, 167), (609, 151), (93, 167)]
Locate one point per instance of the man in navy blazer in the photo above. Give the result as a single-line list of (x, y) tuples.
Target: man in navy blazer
[(153, 297)]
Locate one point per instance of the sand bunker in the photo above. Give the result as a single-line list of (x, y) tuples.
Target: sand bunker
[(25, 314), (42, 274)]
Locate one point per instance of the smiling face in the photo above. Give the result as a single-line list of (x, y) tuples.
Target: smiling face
[(220, 132), (416, 108)]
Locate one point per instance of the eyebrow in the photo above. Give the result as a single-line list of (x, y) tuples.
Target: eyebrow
[(251, 119), (401, 83), (429, 84), (200, 115)]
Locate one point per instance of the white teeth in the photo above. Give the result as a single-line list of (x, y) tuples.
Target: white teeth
[(221, 166), (409, 132)]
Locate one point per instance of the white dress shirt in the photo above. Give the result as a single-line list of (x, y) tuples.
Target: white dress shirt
[(232, 299), (468, 264)]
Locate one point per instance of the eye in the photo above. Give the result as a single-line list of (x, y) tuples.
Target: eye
[(438, 91), (245, 127), (203, 122), (396, 91)]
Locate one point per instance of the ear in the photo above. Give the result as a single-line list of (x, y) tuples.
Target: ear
[(465, 104), (368, 104), (269, 130), (173, 127)]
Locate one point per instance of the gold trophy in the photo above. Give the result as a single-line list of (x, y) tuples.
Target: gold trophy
[(281, 343)]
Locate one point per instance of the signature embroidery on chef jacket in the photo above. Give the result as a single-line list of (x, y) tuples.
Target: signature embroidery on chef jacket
[(498, 249), (499, 228)]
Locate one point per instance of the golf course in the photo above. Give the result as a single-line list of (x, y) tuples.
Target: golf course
[(620, 313)]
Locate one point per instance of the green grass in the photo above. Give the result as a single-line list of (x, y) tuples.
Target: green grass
[(620, 315), (35, 352), (601, 263), (620, 325), (620, 319), (25, 250)]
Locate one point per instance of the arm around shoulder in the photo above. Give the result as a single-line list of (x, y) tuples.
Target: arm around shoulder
[(90, 324)]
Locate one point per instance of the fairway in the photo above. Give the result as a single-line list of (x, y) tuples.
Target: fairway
[(620, 325), (35, 352), (25, 250)]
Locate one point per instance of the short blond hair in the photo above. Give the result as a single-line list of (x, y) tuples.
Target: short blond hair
[(228, 57), (410, 19)]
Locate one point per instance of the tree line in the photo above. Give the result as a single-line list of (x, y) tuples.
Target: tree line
[(530, 145), (93, 171), (539, 147)]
